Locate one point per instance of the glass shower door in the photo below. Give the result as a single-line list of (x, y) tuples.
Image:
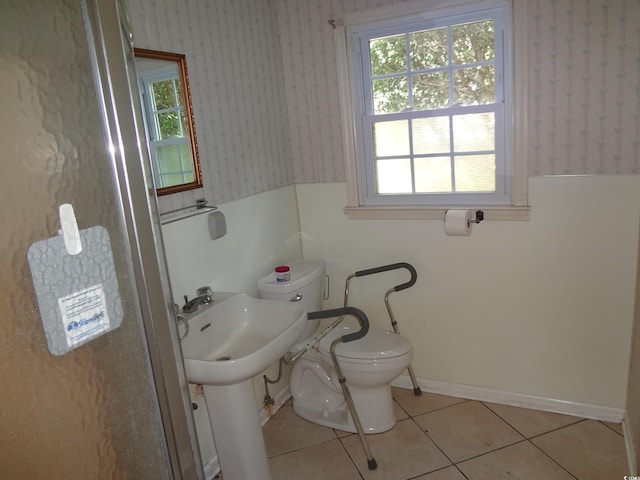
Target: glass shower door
[(116, 407)]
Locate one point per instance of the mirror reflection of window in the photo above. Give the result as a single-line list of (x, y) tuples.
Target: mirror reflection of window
[(166, 105), (166, 124)]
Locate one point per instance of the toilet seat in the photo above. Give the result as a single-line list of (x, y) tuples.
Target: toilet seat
[(376, 346)]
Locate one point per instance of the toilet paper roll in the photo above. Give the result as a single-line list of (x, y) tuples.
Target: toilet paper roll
[(458, 223)]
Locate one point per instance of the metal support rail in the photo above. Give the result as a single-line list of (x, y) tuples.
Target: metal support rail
[(364, 328), (397, 288)]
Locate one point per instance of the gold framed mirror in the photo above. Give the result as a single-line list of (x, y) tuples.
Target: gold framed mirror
[(168, 116)]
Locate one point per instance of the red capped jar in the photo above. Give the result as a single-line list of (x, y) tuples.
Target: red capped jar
[(283, 273)]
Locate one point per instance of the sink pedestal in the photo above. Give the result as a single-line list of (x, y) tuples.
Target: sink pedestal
[(237, 431), (232, 340)]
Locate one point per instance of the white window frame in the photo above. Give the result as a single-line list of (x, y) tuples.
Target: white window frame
[(359, 206), (146, 81)]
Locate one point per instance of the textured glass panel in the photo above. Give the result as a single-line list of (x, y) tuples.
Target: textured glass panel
[(433, 175), (388, 55), (390, 95), (431, 135), (391, 138), (174, 164), (475, 173), (474, 85), (171, 179), (393, 176), (473, 42), (163, 94), (91, 413), (431, 90), (169, 124), (169, 158), (428, 49), (474, 132)]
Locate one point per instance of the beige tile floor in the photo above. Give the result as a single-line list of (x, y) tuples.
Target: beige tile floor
[(444, 438)]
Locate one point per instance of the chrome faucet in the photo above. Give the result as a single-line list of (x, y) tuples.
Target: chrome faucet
[(204, 295)]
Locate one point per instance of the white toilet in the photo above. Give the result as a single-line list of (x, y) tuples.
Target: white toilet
[(369, 364)]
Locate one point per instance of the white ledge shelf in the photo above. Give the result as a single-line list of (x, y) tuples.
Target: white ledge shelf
[(506, 213)]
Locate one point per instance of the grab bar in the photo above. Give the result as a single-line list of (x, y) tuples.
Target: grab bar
[(383, 268), (392, 266), (289, 358), (350, 337), (397, 288), (337, 312)]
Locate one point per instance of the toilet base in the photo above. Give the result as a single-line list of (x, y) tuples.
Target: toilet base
[(325, 405), (339, 419)]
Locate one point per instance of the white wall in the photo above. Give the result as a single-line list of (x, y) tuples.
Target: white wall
[(262, 231), (542, 307)]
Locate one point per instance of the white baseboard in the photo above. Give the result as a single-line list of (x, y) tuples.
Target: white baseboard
[(280, 399), (576, 409)]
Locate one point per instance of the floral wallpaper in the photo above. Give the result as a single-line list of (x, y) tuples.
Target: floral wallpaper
[(263, 78), (309, 63), (584, 87), (583, 98), (237, 88)]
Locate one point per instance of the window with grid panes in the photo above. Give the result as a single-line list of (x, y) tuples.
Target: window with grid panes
[(166, 123), (432, 109)]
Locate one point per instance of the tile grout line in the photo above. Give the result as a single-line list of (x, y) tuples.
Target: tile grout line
[(553, 459), (351, 459), (411, 417), (525, 438), (528, 439), (578, 420), (611, 428)]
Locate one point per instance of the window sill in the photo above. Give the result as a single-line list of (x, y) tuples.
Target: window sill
[(518, 213)]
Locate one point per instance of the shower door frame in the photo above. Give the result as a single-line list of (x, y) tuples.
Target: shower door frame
[(111, 45)]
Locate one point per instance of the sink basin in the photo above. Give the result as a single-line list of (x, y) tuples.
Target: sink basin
[(237, 336)]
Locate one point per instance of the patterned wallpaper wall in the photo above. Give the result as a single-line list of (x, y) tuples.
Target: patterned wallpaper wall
[(309, 63), (237, 87), (584, 86), (265, 92)]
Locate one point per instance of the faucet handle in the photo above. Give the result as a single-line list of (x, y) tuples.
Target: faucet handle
[(204, 291), (206, 294)]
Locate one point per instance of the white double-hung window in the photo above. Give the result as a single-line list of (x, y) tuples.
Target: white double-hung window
[(430, 106), (165, 118)]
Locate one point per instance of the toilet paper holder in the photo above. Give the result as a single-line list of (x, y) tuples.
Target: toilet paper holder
[(479, 217), (458, 222)]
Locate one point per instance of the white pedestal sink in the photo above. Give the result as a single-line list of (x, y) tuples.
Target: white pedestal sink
[(229, 342)]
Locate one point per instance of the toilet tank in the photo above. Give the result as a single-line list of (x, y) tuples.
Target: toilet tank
[(306, 285)]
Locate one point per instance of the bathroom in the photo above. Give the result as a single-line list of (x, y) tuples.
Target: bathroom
[(538, 311)]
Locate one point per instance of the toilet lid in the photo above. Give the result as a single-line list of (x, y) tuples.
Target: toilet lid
[(377, 344)]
